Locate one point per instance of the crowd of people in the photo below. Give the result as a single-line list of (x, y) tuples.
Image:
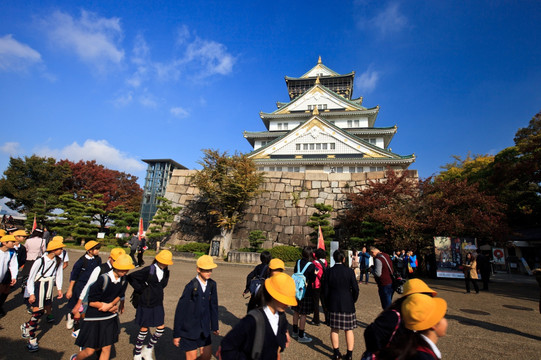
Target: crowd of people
[(96, 296)]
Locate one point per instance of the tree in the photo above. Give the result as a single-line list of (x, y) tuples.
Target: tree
[(33, 184), (75, 220), (161, 222), (227, 183), (320, 217), (114, 187), (256, 238)]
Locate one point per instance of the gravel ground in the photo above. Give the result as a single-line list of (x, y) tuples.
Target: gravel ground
[(501, 324)]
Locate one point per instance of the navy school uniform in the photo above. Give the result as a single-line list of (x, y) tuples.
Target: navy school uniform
[(196, 315), (238, 343), (149, 282), (100, 329), (80, 273)]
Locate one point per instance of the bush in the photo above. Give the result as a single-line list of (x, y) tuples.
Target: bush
[(286, 253), (193, 248)]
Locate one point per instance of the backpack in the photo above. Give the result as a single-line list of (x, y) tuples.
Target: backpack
[(40, 268), (259, 337), (319, 275), (136, 296), (256, 282), (300, 280), (368, 355)]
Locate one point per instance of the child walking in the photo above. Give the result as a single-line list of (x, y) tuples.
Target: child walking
[(101, 327), (45, 272), (9, 268), (79, 276), (149, 283), (196, 315)]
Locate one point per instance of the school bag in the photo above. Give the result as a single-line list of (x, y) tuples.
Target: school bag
[(259, 337), (136, 296), (369, 355), (300, 280), (258, 280), (40, 268), (321, 267)]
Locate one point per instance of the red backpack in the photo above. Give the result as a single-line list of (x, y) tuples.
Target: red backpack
[(321, 267)]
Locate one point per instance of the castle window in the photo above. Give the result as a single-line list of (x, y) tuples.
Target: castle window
[(297, 147), (352, 169), (333, 146), (285, 126), (271, 168), (350, 123), (279, 126), (311, 146), (322, 106), (305, 146), (278, 168), (360, 169), (324, 146), (318, 146), (356, 123), (339, 169)]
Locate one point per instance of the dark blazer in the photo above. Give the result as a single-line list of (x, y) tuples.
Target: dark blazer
[(257, 271), (148, 286), (238, 343), (197, 312), (340, 289)]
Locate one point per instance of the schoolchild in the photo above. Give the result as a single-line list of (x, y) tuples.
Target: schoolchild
[(341, 290), (305, 306), (149, 284), (20, 236), (262, 334), (101, 327), (82, 302), (79, 276), (9, 267), (260, 273), (320, 263), (275, 266), (64, 256), (196, 315), (424, 316), (388, 328), (46, 271)]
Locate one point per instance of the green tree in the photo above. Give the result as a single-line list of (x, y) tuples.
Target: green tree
[(227, 183), (321, 217), (75, 219), (161, 224), (256, 238)]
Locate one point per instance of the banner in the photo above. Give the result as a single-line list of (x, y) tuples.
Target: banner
[(450, 253), (498, 255)]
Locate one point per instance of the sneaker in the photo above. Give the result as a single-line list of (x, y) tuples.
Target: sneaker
[(294, 334), (32, 345), (75, 333), (24, 331), (147, 353), (69, 321), (50, 318), (304, 339), (73, 357), (138, 357), (29, 310)]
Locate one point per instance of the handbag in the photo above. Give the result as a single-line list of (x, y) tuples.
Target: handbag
[(410, 269), (397, 281)]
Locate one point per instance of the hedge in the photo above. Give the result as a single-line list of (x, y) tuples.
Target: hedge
[(286, 253), (194, 247)]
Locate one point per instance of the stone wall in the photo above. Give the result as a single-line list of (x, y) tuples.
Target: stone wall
[(281, 211)]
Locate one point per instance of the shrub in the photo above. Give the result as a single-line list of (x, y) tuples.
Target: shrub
[(194, 247), (256, 239), (286, 253)]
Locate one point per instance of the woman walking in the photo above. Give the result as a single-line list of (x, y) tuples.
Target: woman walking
[(341, 291)]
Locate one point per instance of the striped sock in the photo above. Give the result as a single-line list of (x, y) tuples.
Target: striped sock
[(154, 339), (139, 342), (33, 323)]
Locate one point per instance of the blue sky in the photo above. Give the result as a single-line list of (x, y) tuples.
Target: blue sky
[(121, 81)]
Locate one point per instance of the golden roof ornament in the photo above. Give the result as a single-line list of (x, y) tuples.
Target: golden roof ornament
[(319, 60), (317, 80), (316, 111)]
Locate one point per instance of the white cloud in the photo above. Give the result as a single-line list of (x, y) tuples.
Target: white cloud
[(179, 112), (11, 148), (212, 56), (368, 80), (15, 55), (94, 39), (99, 150), (148, 100), (388, 21), (123, 100)]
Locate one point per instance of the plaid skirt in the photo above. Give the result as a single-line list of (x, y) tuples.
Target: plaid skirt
[(304, 306), (342, 321)]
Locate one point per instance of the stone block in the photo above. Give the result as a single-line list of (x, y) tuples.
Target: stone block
[(282, 212), (310, 202), (358, 176), (323, 195), (316, 184), (294, 176), (285, 221), (341, 176), (301, 203), (264, 210), (288, 230), (275, 220), (316, 176), (174, 180), (295, 182), (278, 228), (279, 187), (285, 196), (329, 202), (275, 195), (374, 175), (314, 193), (289, 189), (304, 194)]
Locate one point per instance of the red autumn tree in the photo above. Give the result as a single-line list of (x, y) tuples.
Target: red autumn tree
[(107, 189)]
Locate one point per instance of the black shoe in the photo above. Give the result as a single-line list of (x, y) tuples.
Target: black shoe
[(336, 357), (2, 312), (312, 322)]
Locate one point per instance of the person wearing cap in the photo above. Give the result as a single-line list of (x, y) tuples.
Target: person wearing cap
[(149, 283), (20, 236), (39, 289), (424, 317), (82, 303), (101, 326), (196, 315), (80, 273), (278, 293), (9, 268), (341, 290), (275, 266), (259, 273), (388, 327), (64, 256), (320, 264)]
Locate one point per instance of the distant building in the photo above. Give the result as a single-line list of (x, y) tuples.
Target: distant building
[(159, 172), (322, 129)]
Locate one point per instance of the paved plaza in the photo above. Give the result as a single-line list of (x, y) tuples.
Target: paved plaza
[(501, 324)]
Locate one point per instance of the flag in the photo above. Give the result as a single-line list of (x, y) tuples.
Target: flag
[(35, 224), (140, 232), (320, 242)]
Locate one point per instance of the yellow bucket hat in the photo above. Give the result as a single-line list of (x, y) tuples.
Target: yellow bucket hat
[(282, 288), (20, 233), (92, 243), (276, 264), (421, 312), (124, 262), (417, 286), (7, 238), (59, 238), (55, 245), (206, 262), (2, 232), (116, 252), (165, 257)]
